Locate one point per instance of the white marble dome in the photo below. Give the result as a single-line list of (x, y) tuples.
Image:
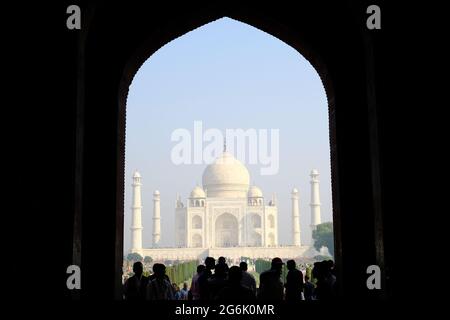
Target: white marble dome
[(226, 177), (198, 192), (255, 192)]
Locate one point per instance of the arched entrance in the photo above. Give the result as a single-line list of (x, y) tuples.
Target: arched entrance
[(196, 222), (226, 231), (315, 31), (256, 221), (255, 239)]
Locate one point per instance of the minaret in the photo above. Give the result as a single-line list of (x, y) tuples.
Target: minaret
[(178, 203), (274, 201), (315, 200), (136, 223), (156, 218), (295, 218)]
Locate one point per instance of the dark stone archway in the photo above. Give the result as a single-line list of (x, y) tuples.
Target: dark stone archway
[(117, 39)]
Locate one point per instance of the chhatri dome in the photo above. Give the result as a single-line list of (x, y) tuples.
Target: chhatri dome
[(226, 177), (198, 192), (255, 192)]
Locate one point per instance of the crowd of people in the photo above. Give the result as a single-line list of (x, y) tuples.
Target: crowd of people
[(234, 283)]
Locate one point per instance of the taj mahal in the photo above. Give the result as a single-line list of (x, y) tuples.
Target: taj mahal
[(224, 217)]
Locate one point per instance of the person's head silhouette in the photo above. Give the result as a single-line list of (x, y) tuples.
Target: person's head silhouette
[(160, 270), (138, 268), (200, 268), (330, 264), (210, 263), (220, 270), (277, 264), (243, 266), (221, 260), (235, 275), (290, 264)]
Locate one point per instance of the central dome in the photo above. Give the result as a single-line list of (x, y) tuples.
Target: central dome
[(226, 177)]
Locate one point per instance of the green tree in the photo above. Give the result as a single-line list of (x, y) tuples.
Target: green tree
[(322, 258), (134, 256), (323, 237)]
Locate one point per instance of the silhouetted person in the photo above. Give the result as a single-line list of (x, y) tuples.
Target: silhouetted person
[(270, 285), (195, 289), (135, 287), (248, 280), (325, 286), (316, 273), (331, 267), (160, 288), (203, 278), (294, 282), (333, 271), (153, 275), (217, 281), (223, 261), (234, 290), (308, 289), (176, 291), (184, 292)]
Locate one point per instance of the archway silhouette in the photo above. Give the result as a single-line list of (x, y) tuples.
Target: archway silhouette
[(110, 55)]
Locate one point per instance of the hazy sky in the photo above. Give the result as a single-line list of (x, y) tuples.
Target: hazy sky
[(228, 75)]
